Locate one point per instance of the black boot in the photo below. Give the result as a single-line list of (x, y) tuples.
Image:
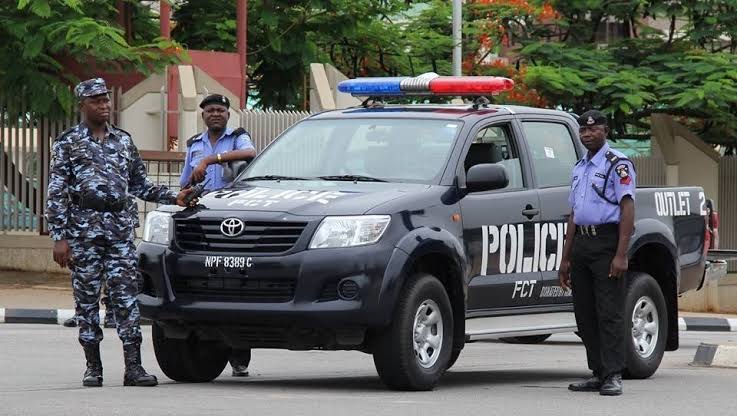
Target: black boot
[(71, 322), (93, 374), (135, 375), (592, 383), (612, 385)]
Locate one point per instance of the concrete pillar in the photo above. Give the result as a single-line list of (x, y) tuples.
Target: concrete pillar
[(188, 107)]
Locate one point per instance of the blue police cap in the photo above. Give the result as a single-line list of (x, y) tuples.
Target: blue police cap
[(91, 88), (215, 99)]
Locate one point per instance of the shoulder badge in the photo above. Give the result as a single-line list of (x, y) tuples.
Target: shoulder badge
[(623, 171)]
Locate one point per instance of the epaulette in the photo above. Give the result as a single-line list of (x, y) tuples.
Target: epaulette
[(192, 139), (65, 132), (119, 129), (237, 132), (611, 157)]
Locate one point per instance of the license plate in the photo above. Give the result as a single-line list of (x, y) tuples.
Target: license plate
[(228, 262)]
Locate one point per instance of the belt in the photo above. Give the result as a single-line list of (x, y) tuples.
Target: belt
[(596, 230), (97, 204)]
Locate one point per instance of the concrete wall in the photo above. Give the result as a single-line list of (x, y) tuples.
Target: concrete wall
[(719, 297), (28, 253)]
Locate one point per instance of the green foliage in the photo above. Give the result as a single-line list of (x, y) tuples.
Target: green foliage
[(37, 34)]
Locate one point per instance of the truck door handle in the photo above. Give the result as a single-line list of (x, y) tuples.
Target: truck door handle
[(530, 212)]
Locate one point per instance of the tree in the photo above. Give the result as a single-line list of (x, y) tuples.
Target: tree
[(38, 33)]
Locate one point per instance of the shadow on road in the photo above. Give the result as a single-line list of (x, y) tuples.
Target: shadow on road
[(454, 378)]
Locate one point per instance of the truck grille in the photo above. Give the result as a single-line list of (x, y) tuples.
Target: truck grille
[(237, 290), (257, 237)]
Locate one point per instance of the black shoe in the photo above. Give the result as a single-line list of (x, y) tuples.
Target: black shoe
[(240, 371), (93, 374), (135, 375), (590, 384), (71, 322), (612, 386)]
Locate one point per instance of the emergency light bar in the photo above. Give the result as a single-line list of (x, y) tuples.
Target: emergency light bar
[(425, 84)]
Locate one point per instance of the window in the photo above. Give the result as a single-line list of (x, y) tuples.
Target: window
[(395, 150), (552, 152), (494, 145)]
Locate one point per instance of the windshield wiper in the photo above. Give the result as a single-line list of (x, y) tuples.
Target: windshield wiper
[(354, 178), (273, 178)]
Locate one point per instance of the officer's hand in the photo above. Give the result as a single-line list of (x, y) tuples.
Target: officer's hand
[(618, 266), (62, 253), (564, 274), (183, 194), (198, 174)]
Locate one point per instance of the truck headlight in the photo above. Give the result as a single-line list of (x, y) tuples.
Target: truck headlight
[(349, 231), (157, 228)]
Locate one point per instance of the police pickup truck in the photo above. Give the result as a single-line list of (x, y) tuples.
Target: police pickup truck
[(403, 231)]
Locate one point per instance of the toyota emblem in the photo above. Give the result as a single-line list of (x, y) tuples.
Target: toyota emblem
[(232, 227)]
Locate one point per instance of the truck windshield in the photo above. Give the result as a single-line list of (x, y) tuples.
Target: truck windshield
[(394, 150)]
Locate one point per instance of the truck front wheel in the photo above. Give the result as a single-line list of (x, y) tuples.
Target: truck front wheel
[(646, 323), (414, 351), (189, 360)]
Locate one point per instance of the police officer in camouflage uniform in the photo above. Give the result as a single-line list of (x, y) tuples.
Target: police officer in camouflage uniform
[(594, 262), (95, 167)]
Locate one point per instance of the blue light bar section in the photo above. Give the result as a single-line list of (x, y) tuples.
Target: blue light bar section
[(372, 86)]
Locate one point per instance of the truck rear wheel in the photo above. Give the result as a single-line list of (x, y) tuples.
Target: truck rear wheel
[(646, 324), (189, 360), (414, 351)]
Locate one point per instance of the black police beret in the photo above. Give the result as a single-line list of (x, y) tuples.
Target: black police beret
[(592, 118), (215, 99)]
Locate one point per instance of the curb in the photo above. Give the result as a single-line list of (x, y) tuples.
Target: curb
[(707, 324), (42, 316), (58, 316), (712, 355)]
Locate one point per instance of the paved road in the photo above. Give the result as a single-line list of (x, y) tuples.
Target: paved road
[(41, 367)]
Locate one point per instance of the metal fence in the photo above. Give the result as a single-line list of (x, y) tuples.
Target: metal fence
[(264, 126), (650, 170)]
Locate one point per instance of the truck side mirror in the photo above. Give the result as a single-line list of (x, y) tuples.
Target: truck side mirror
[(486, 177)]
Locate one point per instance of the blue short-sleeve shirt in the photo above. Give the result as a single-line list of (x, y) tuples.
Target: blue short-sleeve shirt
[(201, 147), (589, 208)]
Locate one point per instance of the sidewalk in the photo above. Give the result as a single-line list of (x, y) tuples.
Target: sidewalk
[(32, 297)]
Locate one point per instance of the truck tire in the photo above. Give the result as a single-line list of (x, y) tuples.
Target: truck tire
[(529, 339), (189, 360), (646, 326), (413, 352)]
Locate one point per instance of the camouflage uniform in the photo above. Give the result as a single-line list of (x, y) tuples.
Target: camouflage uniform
[(90, 205)]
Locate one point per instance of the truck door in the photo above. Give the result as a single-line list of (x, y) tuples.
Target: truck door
[(498, 225), (552, 151)]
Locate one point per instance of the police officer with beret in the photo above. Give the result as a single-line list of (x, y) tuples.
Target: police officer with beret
[(594, 262), (207, 151), (95, 168)]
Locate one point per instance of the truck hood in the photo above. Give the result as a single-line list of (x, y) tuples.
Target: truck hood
[(308, 197)]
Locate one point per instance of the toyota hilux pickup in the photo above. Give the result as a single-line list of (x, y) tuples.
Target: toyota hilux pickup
[(404, 231)]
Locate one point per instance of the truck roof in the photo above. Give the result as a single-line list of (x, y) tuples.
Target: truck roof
[(435, 111)]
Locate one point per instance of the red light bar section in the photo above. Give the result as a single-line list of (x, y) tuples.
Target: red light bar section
[(470, 85)]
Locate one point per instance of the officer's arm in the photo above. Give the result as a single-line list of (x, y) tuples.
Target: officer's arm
[(140, 186), (58, 191), (187, 170), (624, 178), (244, 150)]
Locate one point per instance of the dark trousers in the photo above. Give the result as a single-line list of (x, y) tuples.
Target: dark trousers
[(240, 357), (598, 302)]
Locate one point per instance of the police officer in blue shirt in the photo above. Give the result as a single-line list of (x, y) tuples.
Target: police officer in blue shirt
[(207, 151), (594, 259)]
